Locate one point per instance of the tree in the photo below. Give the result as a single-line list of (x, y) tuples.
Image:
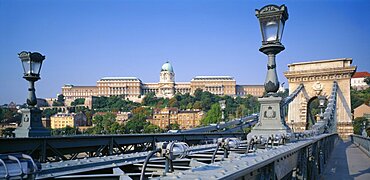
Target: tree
[(214, 115), (198, 94), (241, 111), (149, 99), (68, 130), (9, 115), (7, 132), (197, 105), (49, 112), (59, 101), (283, 94), (113, 104), (207, 99), (136, 124), (115, 128), (173, 102), (151, 128), (359, 97), (367, 81), (173, 126), (78, 101), (105, 124), (89, 115), (141, 111), (1, 114), (189, 106), (357, 125)]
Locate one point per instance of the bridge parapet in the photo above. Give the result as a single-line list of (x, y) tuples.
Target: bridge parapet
[(362, 142), (304, 159)]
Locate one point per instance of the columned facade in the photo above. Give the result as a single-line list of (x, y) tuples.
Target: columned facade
[(134, 89)]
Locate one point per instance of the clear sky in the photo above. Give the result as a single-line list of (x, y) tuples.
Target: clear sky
[(85, 40)]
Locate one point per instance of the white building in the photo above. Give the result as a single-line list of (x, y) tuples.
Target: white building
[(357, 80)]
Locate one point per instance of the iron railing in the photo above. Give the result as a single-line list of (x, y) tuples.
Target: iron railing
[(362, 142)]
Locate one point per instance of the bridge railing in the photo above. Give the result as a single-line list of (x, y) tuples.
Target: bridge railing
[(220, 126), (303, 159), (328, 123), (70, 147), (362, 142), (285, 102)]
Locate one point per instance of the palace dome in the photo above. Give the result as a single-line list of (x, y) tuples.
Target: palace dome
[(167, 67)]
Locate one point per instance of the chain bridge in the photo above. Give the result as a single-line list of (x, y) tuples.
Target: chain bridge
[(221, 151), (289, 138)]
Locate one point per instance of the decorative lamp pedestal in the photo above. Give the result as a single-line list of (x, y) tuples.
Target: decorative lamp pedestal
[(31, 125), (270, 120), (364, 133)]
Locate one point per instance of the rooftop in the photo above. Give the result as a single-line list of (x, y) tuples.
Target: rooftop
[(361, 74), (120, 78), (213, 77), (321, 61)]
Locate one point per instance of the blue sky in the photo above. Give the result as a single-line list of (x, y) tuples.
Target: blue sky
[(84, 40)]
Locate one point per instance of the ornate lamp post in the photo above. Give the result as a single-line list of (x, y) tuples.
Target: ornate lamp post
[(31, 124), (223, 106), (364, 133), (272, 20), (321, 106)]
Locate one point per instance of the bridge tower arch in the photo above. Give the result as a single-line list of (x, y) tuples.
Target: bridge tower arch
[(318, 78)]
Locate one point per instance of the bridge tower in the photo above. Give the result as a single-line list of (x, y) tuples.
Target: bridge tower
[(317, 78)]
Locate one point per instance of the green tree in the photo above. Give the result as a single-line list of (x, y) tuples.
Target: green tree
[(198, 94), (283, 94), (151, 128), (207, 99), (359, 97), (150, 99), (65, 131), (141, 111), (197, 105), (367, 81), (136, 124), (214, 115), (241, 111), (357, 125), (173, 102), (49, 112), (105, 124), (189, 106), (78, 101), (89, 116), (115, 128), (113, 104), (173, 126), (7, 132), (1, 114), (59, 101), (7, 114)]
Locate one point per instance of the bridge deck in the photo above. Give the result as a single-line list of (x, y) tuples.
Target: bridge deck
[(347, 162)]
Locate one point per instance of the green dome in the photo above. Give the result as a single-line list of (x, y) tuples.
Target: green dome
[(167, 67)]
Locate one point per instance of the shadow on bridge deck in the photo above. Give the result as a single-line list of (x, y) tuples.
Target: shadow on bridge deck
[(347, 162)]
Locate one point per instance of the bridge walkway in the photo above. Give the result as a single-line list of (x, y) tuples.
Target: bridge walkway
[(347, 162)]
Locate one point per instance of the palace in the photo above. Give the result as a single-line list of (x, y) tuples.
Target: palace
[(134, 89)]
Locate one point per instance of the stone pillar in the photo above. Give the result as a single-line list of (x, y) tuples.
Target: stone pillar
[(270, 120), (31, 125)]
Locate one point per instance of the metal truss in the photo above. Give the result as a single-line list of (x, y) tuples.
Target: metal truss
[(229, 158), (49, 149)]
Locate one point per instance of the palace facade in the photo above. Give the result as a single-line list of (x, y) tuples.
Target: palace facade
[(134, 89), (186, 119)]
